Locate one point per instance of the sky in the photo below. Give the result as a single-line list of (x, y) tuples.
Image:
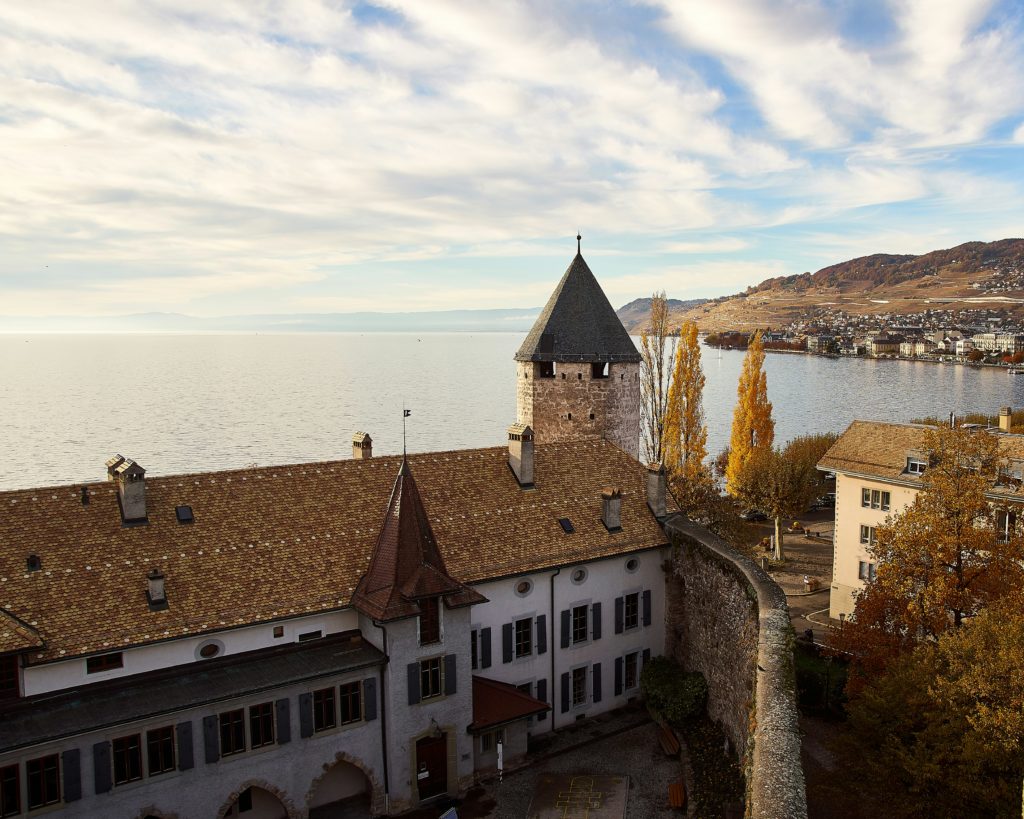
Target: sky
[(292, 157)]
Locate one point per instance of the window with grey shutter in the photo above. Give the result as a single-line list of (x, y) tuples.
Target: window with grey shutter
[(595, 626), (647, 607), (283, 713), (102, 776), (485, 647), (542, 633), (565, 692), (647, 656), (186, 754), (597, 682), (506, 643), (542, 695), (566, 625), (70, 762), (620, 603), (211, 739), (618, 676), (451, 676), (305, 715), (412, 678), (370, 698)]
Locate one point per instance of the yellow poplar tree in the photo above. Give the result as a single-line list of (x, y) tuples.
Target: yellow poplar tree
[(752, 424), (685, 433)]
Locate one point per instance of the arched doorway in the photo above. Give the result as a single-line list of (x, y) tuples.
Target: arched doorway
[(255, 802), (343, 792)]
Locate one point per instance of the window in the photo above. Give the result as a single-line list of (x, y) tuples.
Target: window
[(868, 535), (430, 621), (324, 713), (127, 752), (1006, 522), (311, 635), (160, 750), (524, 587), (430, 678), (874, 499), (915, 466), (104, 662), (866, 571), (8, 677), (10, 791), (632, 666), (351, 702), (278, 631), (545, 369), (578, 576), (579, 624), (208, 650), (232, 732), (566, 525), (43, 776), (632, 565), (598, 370), (631, 611), (524, 637), (261, 725), (474, 659), (184, 514), (490, 739), (579, 686)]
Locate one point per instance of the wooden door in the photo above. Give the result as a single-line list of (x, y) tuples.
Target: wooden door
[(432, 766)]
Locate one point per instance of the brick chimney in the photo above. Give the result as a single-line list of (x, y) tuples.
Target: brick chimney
[(656, 489), (362, 445), (131, 490), (156, 595), (611, 508), (520, 453), (1005, 419)]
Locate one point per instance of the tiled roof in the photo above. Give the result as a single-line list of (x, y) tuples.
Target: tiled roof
[(406, 564), (279, 542), (578, 324), (16, 635), (496, 703)]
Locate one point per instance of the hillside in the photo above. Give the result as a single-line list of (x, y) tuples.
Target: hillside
[(971, 276), (635, 314)]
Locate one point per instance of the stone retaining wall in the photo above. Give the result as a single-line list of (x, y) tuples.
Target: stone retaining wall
[(727, 619)]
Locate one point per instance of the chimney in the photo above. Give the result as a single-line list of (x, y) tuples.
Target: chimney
[(656, 489), (155, 594), (611, 508), (113, 464), (520, 453), (362, 446), (131, 490), (1005, 419)]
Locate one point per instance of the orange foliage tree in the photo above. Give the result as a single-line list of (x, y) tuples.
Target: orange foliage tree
[(752, 423)]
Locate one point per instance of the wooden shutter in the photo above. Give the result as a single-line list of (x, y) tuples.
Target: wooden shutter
[(620, 615), (506, 643), (647, 656), (305, 715), (186, 753), (565, 628), (211, 739), (485, 647), (370, 699), (597, 682), (71, 765), (542, 633), (451, 675), (283, 711), (618, 676), (565, 692), (595, 625), (647, 607), (474, 642), (542, 694), (101, 773), (412, 679)]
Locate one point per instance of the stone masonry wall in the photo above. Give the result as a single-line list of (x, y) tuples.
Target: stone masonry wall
[(727, 619), (574, 405)]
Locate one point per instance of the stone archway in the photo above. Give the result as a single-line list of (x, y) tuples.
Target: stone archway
[(346, 779), (262, 795)]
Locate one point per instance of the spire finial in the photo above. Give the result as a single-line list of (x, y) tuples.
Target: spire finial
[(578, 240), (405, 414)]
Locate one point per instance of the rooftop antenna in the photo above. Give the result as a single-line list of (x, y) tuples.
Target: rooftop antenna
[(578, 240)]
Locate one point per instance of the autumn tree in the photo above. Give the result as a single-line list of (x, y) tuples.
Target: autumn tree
[(752, 424), (685, 432), (657, 353)]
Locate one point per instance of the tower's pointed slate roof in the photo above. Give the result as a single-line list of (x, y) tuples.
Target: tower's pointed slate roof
[(578, 324), (406, 564)]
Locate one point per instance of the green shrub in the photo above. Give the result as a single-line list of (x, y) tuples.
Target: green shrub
[(677, 695)]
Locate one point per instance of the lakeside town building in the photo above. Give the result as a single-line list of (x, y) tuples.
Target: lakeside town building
[(357, 633)]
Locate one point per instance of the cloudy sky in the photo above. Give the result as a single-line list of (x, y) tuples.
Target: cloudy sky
[(237, 157)]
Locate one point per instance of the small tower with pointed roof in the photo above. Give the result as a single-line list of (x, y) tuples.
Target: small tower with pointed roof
[(578, 371)]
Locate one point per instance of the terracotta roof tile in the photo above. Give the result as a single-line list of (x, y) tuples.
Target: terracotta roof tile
[(496, 703), (16, 635)]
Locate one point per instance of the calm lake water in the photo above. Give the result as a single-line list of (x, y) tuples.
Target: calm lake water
[(193, 403)]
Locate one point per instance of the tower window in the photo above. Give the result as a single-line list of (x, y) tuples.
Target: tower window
[(598, 370), (591, 416), (579, 376), (546, 369)]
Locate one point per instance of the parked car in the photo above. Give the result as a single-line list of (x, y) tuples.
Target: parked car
[(753, 515), (826, 501)]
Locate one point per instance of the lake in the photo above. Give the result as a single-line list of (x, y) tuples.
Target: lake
[(186, 403)]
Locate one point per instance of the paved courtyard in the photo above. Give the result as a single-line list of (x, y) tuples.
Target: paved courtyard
[(579, 796)]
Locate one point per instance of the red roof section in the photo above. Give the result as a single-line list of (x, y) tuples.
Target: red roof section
[(406, 564), (496, 703)]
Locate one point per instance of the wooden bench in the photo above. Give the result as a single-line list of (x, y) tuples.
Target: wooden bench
[(669, 743), (677, 795)]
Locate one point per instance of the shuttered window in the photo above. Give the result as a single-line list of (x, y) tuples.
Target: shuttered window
[(232, 732), (43, 775), (160, 750)]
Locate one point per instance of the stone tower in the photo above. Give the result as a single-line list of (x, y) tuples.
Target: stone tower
[(578, 371)]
